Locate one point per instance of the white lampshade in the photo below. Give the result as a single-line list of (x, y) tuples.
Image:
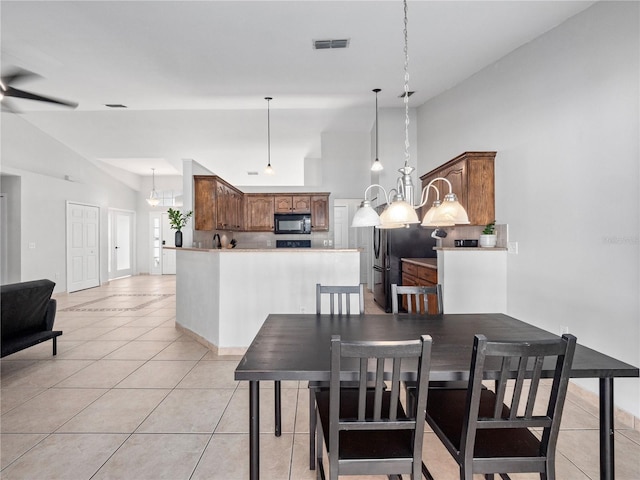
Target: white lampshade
[(450, 212), (366, 216), (153, 199), (399, 212), (377, 166)]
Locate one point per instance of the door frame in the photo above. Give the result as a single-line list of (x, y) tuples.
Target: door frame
[(68, 245), (111, 268)]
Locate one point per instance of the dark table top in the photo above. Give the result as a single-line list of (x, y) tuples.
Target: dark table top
[(296, 346)]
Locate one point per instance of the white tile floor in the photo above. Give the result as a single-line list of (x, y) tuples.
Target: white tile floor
[(130, 397)]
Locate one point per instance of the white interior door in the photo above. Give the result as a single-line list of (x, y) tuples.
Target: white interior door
[(120, 243), (83, 253), (340, 226), (168, 240)]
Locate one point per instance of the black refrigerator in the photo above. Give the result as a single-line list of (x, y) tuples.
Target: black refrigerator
[(389, 246)]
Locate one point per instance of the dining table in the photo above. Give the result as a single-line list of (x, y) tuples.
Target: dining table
[(296, 347)]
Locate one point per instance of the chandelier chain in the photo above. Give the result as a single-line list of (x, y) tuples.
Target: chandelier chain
[(406, 87)]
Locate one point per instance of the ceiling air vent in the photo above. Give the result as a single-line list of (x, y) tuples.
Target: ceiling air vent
[(252, 173), (326, 44), (115, 105)]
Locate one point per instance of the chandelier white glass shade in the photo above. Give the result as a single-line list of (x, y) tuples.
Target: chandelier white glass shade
[(269, 169), (377, 164), (401, 212), (444, 213), (153, 199)]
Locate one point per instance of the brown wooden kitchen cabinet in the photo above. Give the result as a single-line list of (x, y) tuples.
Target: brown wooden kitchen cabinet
[(420, 275), (292, 204), (320, 213), (259, 211), (217, 205), (472, 179)]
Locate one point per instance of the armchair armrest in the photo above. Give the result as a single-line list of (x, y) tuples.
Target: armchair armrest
[(51, 314)]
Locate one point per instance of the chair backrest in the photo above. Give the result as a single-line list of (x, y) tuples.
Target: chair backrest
[(516, 387), (379, 406), (24, 306), (419, 299), (339, 297)]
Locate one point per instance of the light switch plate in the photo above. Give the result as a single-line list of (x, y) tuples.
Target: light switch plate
[(512, 247)]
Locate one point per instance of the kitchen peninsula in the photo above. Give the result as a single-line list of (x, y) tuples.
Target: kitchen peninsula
[(224, 295)]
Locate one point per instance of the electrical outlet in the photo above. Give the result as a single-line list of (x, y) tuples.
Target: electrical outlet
[(325, 242), (331, 243), (32, 244), (512, 247)]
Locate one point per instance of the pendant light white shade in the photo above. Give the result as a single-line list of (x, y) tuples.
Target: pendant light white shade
[(399, 212), (154, 198), (377, 166)]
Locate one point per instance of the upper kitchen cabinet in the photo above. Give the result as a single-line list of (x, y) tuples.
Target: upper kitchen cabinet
[(293, 204), (217, 205), (259, 210), (320, 212), (472, 180)]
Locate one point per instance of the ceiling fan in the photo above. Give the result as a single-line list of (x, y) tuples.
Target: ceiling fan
[(7, 90)]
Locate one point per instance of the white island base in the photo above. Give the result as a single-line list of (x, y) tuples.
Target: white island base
[(224, 296)]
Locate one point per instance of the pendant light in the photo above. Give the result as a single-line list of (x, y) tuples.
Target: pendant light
[(402, 211), (269, 170), (377, 165), (153, 199)]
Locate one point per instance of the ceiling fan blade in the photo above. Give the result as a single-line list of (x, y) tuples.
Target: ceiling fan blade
[(14, 92)]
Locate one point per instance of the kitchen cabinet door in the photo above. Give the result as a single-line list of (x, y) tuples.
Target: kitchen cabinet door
[(319, 213), (204, 202), (293, 204), (259, 213)]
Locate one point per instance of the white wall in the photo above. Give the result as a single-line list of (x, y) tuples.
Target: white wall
[(563, 114), (42, 163)]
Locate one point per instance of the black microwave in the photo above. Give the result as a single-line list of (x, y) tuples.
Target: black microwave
[(292, 223)]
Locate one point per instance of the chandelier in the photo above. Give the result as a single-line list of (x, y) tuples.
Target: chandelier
[(400, 210)]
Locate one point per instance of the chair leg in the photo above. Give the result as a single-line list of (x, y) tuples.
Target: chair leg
[(312, 428), (277, 407), (55, 346)]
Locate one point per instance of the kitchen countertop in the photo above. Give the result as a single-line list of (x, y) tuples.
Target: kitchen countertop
[(473, 249), (193, 249), (423, 262)]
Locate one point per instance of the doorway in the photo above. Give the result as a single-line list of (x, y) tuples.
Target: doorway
[(120, 243), (168, 240), (83, 249)]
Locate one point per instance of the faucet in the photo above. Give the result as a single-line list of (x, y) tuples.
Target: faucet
[(218, 244)]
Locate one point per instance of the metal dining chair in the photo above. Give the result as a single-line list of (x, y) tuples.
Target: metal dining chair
[(488, 432), (366, 431)]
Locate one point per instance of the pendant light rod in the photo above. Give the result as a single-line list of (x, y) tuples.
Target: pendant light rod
[(406, 86), (269, 169), (377, 165)]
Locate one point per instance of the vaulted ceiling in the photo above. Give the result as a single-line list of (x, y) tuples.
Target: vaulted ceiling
[(194, 74)]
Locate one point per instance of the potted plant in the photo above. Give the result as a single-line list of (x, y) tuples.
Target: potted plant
[(488, 237), (177, 220)]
